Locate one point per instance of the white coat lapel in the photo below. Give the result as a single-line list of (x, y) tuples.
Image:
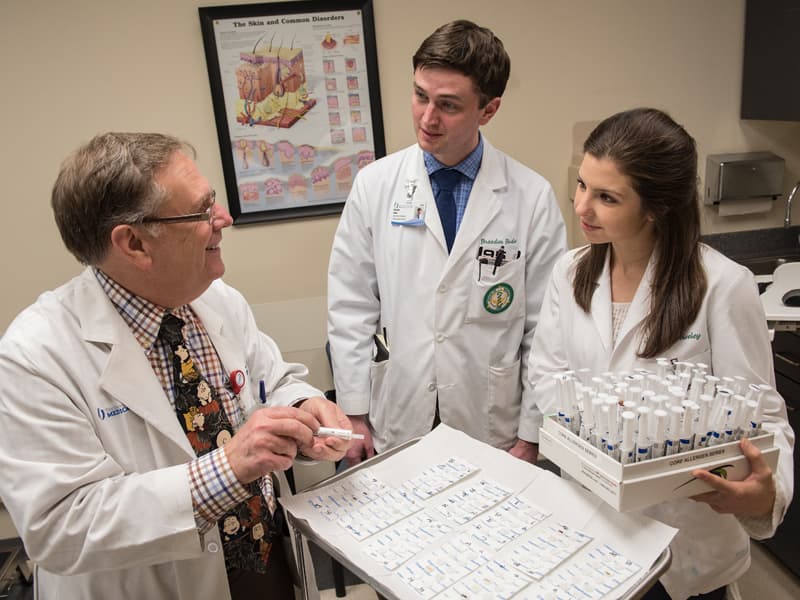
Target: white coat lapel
[(127, 376), (601, 306)]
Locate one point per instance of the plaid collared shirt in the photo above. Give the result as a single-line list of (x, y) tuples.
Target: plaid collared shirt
[(214, 487), (469, 170)]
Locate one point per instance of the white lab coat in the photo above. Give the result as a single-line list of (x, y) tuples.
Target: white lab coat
[(730, 335), (93, 458), (442, 340)]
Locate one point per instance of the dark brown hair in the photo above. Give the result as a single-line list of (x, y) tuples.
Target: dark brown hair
[(471, 50), (660, 159)]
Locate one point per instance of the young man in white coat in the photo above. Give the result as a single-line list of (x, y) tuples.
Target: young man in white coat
[(117, 487), (444, 247)]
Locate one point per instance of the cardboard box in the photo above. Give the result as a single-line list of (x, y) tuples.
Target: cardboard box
[(637, 485)]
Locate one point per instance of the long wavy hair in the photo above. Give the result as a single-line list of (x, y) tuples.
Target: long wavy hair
[(660, 159)]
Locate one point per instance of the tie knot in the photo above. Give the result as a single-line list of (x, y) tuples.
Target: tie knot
[(446, 179), (171, 329)]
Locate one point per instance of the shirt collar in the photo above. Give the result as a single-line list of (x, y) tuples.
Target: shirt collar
[(468, 167), (142, 316)]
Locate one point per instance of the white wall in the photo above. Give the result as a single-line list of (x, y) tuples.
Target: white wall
[(72, 68)]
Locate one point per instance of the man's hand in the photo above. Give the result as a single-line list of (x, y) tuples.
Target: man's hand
[(328, 414), (527, 451), (360, 449), (754, 496), (269, 441)]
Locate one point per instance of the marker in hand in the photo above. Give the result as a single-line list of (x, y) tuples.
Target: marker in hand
[(342, 434)]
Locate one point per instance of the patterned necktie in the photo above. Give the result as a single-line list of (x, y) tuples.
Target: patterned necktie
[(248, 529), (447, 180)]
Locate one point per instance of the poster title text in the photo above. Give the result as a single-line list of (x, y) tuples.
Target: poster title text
[(286, 20)]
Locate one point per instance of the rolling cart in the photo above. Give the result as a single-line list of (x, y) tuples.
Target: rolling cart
[(303, 531)]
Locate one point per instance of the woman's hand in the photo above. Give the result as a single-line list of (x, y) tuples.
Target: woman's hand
[(754, 496)]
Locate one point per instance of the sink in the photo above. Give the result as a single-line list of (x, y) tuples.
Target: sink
[(766, 265), (760, 250)]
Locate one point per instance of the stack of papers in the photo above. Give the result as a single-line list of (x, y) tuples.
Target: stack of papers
[(451, 518)]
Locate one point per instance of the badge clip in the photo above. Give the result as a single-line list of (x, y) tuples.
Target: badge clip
[(411, 188)]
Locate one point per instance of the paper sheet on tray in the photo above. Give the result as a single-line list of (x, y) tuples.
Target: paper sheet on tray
[(501, 527)]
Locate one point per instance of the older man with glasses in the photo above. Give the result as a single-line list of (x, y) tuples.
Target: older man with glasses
[(138, 459)]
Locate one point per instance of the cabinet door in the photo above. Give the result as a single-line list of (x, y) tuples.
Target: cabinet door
[(784, 544), (771, 70)]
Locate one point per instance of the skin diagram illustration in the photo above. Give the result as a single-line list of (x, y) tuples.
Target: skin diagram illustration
[(294, 103), (272, 85)]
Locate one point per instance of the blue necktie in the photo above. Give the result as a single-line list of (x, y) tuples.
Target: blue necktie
[(447, 180)]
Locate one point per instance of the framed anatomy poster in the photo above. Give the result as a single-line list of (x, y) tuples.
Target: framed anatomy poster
[(296, 102)]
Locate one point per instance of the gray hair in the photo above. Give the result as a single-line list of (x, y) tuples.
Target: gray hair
[(107, 182)]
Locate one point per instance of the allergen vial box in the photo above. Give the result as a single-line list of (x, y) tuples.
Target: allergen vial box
[(637, 485)]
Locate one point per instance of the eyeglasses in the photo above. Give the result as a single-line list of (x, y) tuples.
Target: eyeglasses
[(206, 215)]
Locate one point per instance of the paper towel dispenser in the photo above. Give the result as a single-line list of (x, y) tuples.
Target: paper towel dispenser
[(743, 176)]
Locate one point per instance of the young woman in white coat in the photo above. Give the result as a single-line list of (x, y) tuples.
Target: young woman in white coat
[(645, 287)]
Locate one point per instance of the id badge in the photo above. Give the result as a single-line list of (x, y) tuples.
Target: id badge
[(408, 211)]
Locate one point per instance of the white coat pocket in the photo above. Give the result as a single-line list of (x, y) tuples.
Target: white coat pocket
[(701, 357), (504, 408), (692, 347), (378, 404), (497, 293)]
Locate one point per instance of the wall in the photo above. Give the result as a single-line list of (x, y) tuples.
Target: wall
[(72, 68)]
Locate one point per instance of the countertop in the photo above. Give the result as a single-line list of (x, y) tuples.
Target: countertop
[(756, 243)]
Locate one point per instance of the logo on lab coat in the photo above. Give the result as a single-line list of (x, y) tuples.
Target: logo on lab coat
[(498, 298), (113, 412)]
